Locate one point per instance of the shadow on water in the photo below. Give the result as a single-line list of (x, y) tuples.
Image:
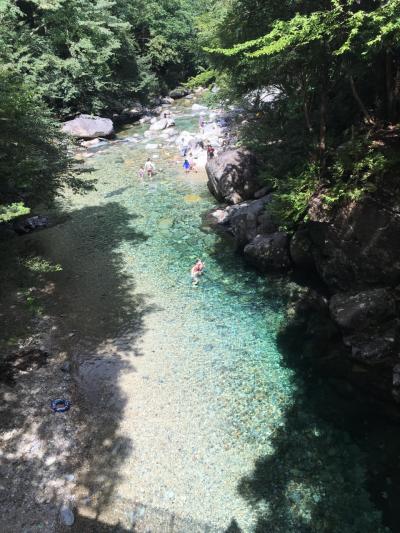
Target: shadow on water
[(98, 319), (328, 470), (333, 465)]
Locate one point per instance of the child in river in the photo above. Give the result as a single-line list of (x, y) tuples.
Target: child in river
[(197, 271), (149, 167), (186, 166), (141, 173)]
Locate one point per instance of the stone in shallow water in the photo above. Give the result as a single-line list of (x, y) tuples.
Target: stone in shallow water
[(166, 222), (191, 198), (66, 515)]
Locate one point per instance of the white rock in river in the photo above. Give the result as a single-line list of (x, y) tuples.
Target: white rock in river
[(162, 124), (198, 107), (151, 146), (89, 127)]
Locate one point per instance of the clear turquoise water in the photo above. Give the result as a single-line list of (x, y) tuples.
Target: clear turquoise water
[(297, 472)]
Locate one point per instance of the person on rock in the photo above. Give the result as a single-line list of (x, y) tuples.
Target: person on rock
[(149, 167), (202, 124), (210, 151), (197, 271)]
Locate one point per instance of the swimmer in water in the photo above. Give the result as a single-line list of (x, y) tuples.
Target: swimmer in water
[(197, 271)]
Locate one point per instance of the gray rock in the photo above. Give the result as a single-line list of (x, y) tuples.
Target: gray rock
[(167, 100), (269, 252), (242, 220), (162, 124), (357, 245), (26, 225), (371, 346), (396, 376), (132, 113), (179, 92), (301, 249), (233, 175), (362, 310), (89, 127), (66, 367), (262, 192), (66, 515)]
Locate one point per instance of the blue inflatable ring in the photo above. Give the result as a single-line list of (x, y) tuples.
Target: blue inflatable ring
[(60, 406)]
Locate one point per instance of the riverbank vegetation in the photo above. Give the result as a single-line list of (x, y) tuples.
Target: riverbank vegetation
[(331, 127), (63, 57), (334, 69)]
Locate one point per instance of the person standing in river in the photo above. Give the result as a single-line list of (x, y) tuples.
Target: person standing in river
[(197, 271), (149, 167)]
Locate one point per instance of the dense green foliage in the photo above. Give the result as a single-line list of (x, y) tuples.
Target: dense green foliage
[(336, 65), (72, 56), (35, 161), (91, 56)]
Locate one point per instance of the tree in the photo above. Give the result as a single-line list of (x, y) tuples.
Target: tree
[(336, 66), (35, 161)]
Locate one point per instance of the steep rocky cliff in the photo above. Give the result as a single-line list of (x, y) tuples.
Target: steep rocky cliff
[(354, 249)]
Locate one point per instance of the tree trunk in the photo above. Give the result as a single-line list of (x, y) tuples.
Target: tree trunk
[(396, 93), (389, 85), (360, 103), (322, 127), (307, 117)]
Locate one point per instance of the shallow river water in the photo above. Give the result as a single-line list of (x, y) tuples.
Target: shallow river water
[(192, 419)]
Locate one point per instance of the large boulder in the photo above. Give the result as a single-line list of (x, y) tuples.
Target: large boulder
[(368, 323), (89, 127), (246, 220), (232, 176), (363, 309), (373, 345), (162, 124), (269, 252), (357, 245), (301, 249)]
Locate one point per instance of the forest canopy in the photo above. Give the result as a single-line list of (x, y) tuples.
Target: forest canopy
[(63, 57), (335, 68)]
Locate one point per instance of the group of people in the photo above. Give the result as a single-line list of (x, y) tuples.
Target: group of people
[(189, 165)]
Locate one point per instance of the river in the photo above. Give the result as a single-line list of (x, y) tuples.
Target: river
[(190, 417)]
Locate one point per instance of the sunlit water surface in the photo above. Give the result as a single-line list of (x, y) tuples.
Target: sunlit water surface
[(194, 419)]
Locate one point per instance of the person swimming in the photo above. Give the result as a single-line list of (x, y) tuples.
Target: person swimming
[(197, 271)]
